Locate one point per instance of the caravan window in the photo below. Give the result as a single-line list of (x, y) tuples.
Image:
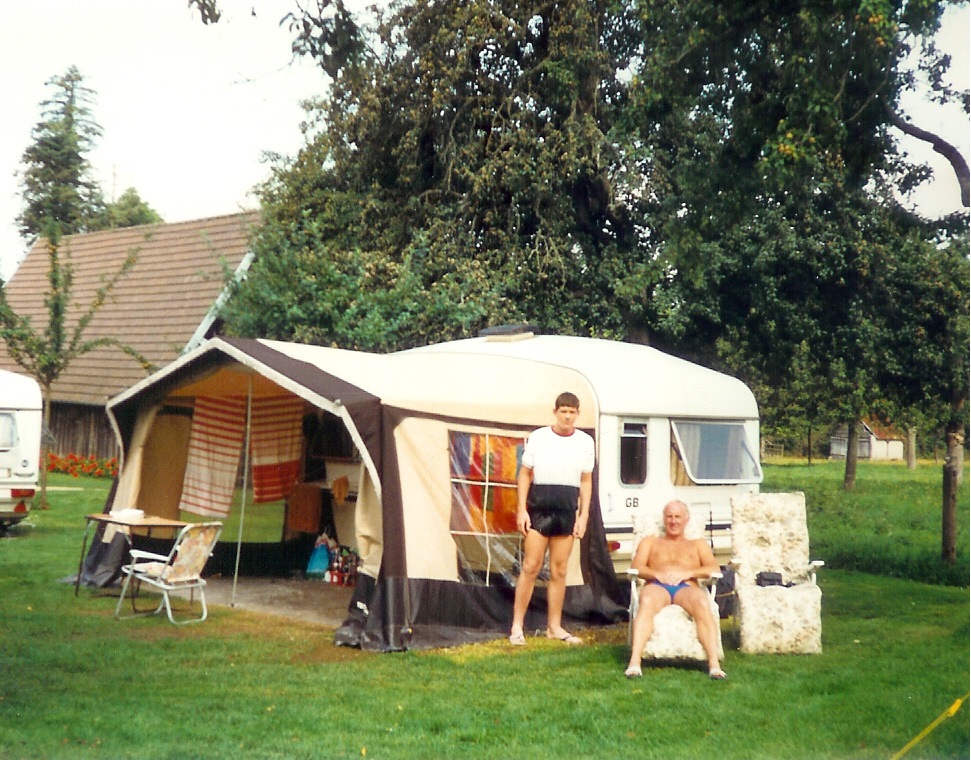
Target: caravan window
[(8, 430), (633, 453), (713, 453)]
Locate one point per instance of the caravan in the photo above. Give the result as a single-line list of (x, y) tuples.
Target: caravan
[(665, 429), (412, 457), (20, 431)]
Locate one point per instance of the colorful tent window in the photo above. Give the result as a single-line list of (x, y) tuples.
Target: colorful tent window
[(484, 468)]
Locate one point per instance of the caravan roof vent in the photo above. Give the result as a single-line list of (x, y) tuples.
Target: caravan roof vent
[(511, 338), (506, 333)]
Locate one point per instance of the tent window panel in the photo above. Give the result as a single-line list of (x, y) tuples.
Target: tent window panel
[(715, 452), (477, 509), (483, 469), (8, 430), (467, 516), (485, 458), (633, 453)]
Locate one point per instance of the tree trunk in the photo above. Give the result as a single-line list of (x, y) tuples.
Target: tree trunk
[(911, 448), (809, 445), (852, 445), (953, 464), (45, 448)]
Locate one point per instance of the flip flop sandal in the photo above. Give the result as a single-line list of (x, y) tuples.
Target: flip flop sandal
[(517, 639), (568, 638)]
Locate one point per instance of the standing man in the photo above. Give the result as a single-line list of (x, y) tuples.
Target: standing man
[(672, 564), (554, 487)]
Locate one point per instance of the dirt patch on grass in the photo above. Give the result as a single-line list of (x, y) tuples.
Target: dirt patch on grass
[(307, 612)]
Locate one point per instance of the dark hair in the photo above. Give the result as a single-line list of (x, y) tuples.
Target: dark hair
[(567, 399)]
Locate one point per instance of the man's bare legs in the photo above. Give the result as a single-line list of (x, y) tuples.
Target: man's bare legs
[(560, 548), (694, 601), (534, 551), (653, 599)]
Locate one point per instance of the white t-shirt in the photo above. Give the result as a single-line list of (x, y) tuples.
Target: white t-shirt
[(558, 459)]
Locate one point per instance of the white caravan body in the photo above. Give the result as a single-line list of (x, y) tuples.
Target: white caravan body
[(20, 432), (665, 429)]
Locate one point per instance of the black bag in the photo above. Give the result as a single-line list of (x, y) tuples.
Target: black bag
[(769, 579), (725, 593)]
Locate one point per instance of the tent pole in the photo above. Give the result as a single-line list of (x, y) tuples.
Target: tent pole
[(246, 473)]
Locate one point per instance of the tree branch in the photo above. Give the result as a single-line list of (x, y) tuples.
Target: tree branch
[(940, 145)]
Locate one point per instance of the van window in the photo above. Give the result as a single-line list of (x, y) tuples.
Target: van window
[(633, 453), (8, 430), (713, 453)]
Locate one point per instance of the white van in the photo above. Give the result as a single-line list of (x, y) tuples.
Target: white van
[(665, 429), (21, 419)]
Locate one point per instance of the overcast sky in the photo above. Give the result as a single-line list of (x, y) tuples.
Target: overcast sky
[(187, 110)]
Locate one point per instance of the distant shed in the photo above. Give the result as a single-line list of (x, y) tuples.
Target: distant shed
[(875, 442)]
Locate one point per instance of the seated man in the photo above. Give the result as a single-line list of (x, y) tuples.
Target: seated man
[(671, 565)]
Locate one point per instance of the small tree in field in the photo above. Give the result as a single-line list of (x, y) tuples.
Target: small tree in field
[(46, 353)]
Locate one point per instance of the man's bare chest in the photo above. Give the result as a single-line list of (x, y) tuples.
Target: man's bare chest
[(666, 553)]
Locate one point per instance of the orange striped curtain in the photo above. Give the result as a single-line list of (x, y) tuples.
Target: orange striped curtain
[(276, 439), (215, 443)]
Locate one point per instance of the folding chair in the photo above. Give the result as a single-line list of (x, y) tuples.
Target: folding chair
[(180, 570)]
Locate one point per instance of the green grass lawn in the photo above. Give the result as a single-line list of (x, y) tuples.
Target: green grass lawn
[(75, 683), (889, 524)]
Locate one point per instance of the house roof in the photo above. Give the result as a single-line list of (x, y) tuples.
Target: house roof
[(880, 431), (162, 306)]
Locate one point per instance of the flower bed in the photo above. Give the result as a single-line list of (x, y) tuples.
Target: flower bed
[(75, 465)]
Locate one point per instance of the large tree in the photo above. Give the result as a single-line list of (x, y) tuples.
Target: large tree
[(772, 124), (56, 177), (717, 177), (464, 170)]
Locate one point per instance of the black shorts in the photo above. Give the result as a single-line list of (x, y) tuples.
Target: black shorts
[(552, 522)]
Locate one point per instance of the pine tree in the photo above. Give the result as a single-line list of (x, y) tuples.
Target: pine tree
[(56, 177)]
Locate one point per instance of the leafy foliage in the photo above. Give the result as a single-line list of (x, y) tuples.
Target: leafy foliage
[(718, 179), (473, 159), (128, 211)]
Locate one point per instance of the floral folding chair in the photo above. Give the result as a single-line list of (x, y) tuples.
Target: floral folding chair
[(775, 582), (180, 570)]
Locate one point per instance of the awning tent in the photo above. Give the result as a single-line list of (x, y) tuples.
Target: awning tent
[(434, 570)]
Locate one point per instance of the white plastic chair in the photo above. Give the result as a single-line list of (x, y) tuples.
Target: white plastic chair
[(180, 570), (769, 535)]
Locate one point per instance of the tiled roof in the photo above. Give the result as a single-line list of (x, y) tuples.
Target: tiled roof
[(156, 308)]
